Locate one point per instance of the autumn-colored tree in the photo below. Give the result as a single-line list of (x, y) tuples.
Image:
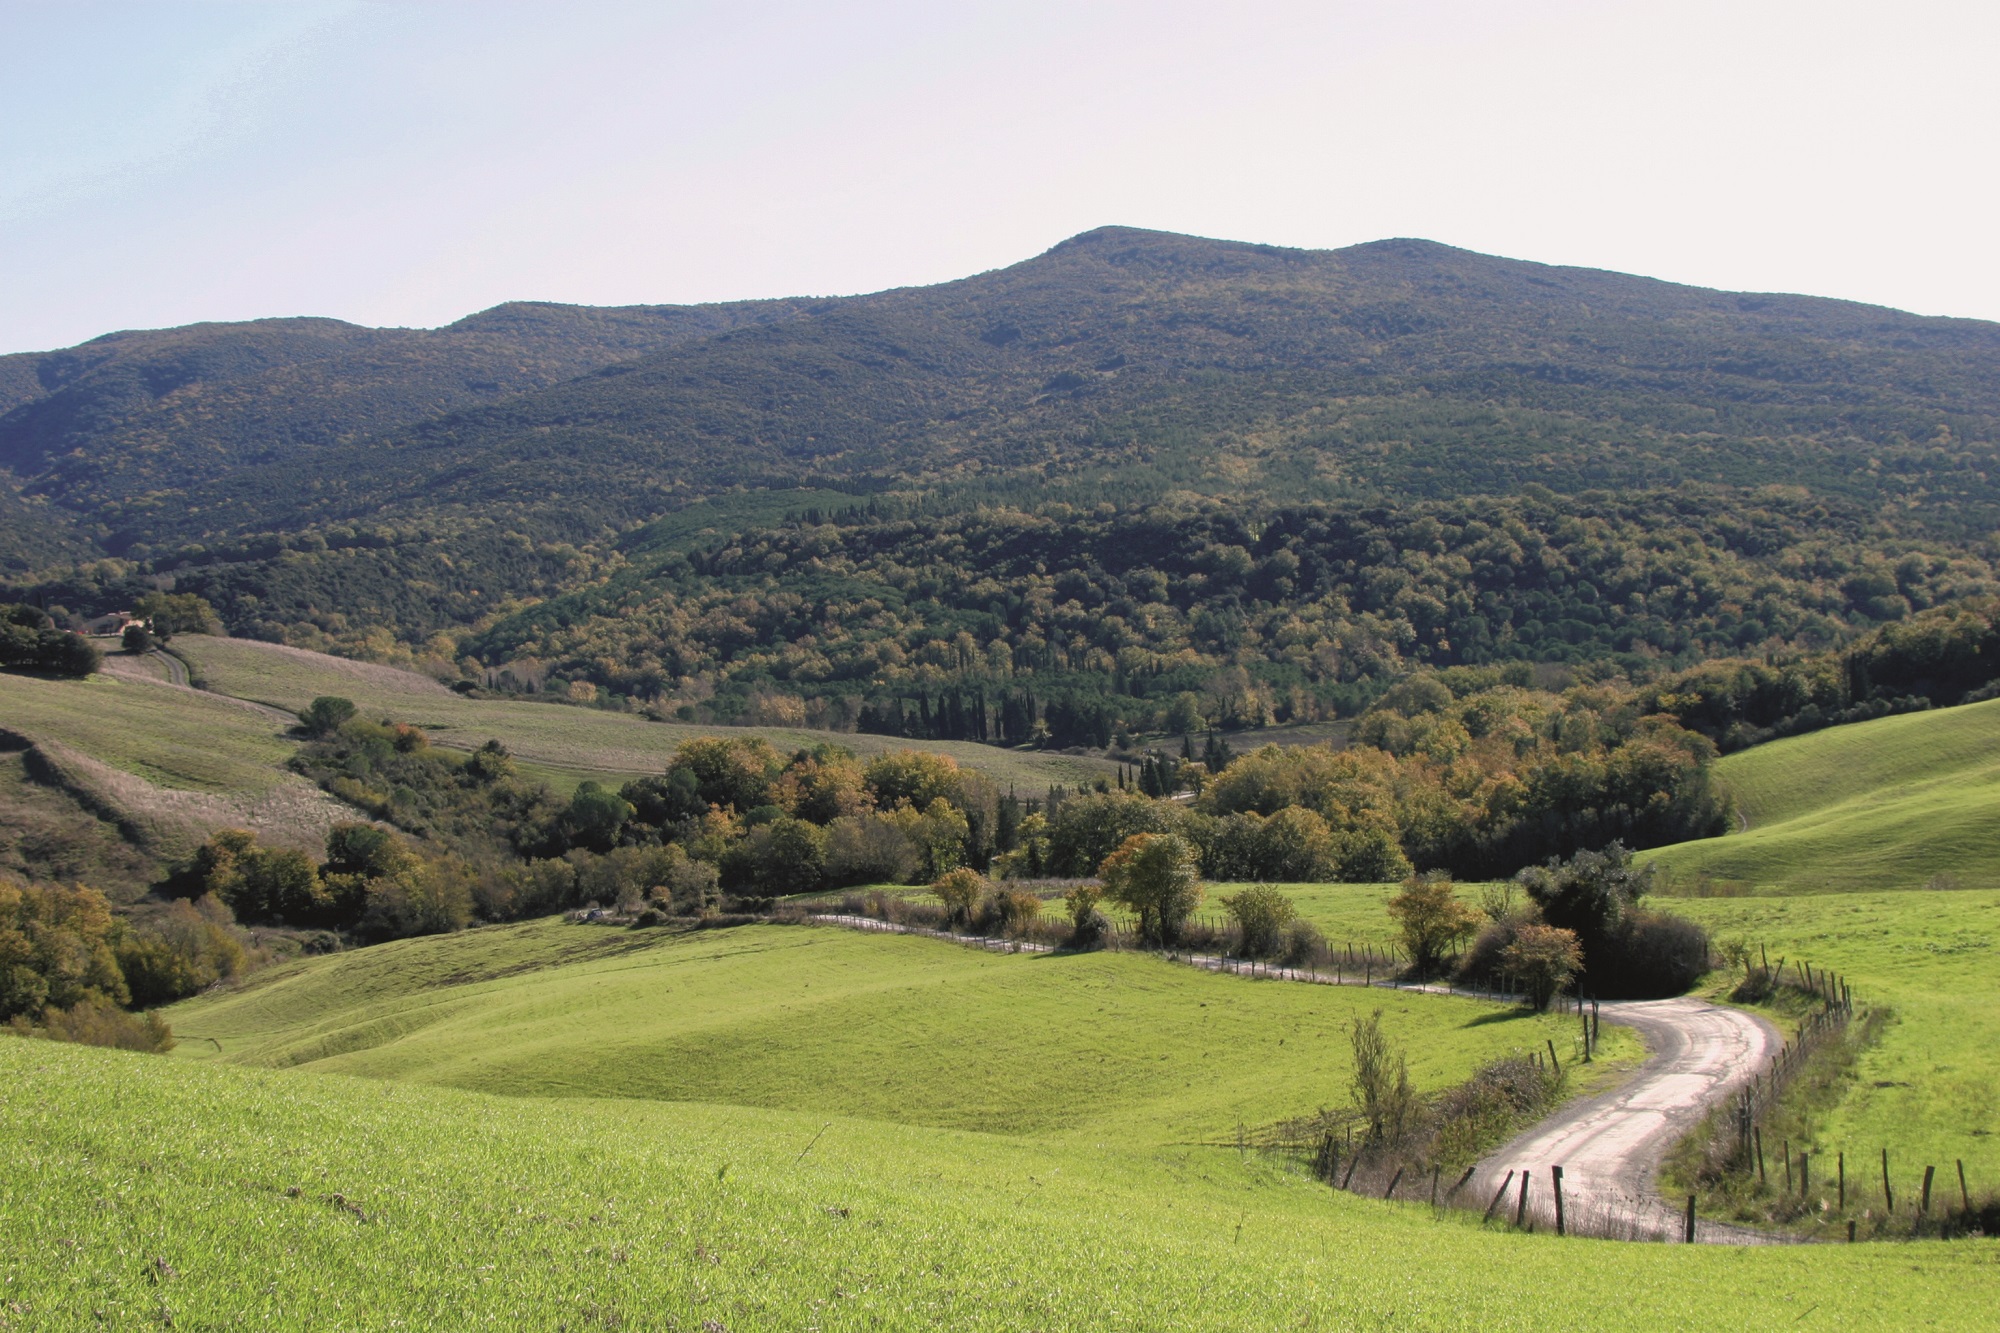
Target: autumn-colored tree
[(960, 891), (1544, 959), (1433, 920), (1157, 876)]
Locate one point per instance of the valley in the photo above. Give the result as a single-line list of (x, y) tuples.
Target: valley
[(502, 703)]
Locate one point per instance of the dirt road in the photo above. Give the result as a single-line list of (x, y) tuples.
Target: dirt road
[(1610, 1146)]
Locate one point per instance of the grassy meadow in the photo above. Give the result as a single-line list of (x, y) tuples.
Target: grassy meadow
[(146, 1192), (1897, 803), (1090, 1046), (561, 744)]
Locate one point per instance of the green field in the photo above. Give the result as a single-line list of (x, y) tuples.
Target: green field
[(560, 743), (1897, 803), (793, 1127), (141, 1190), (172, 738), (805, 1018)]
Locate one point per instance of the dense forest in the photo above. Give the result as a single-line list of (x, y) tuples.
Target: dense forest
[(1067, 627)]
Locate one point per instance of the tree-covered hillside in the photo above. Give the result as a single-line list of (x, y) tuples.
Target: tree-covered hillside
[(387, 491)]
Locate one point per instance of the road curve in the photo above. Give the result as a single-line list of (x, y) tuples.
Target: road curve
[(1610, 1146)]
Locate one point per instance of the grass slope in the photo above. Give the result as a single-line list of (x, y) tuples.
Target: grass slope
[(166, 766), (818, 1019), (1886, 804), (563, 744), (1925, 1091), (140, 1191)]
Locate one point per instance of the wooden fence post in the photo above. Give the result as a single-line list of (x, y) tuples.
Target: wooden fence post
[(1394, 1180), (1805, 1173), (1964, 1194), (1521, 1209), (1788, 1165), (1555, 1065), (1758, 1133), (1498, 1195), (1888, 1195), (1924, 1207), (1462, 1181), (1690, 1220), (1557, 1173), (1843, 1182)]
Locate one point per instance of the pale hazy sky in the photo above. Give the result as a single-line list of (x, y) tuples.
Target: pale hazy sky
[(407, 163)]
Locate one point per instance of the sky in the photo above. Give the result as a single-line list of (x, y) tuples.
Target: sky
[(407, 163)]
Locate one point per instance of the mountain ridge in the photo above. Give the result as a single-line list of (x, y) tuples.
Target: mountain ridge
[(1120, 363)]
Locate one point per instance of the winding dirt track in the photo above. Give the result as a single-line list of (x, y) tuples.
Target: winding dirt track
[(1609, 1146)]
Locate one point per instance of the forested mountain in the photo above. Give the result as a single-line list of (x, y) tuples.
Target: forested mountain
[(382, 490)]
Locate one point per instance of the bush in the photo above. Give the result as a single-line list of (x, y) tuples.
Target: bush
[(1382, 1086), (1087, 926), (1303, 945), (1433, 920), (98, 1022), (1649, 956), (1544, 959), (326, 715), (1262, 915)]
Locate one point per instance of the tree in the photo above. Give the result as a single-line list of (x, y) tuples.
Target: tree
[(170, 613), (595, 817), (786, 856), (960, 891), (1433, 920), (326, 715), (1544, 959), (1589, 893), (1261, 914), (1156, 875), (1382, 1084), (137, 640)]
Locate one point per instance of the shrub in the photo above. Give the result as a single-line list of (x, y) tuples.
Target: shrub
[(1544, 959), (1649, 956), (1382, 1086), (1087, 926), (1262, 915), (1303, 944), (98, 1022), (1014, 911)]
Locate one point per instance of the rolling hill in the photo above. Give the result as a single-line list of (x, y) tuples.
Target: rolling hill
[(1897, 803)]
